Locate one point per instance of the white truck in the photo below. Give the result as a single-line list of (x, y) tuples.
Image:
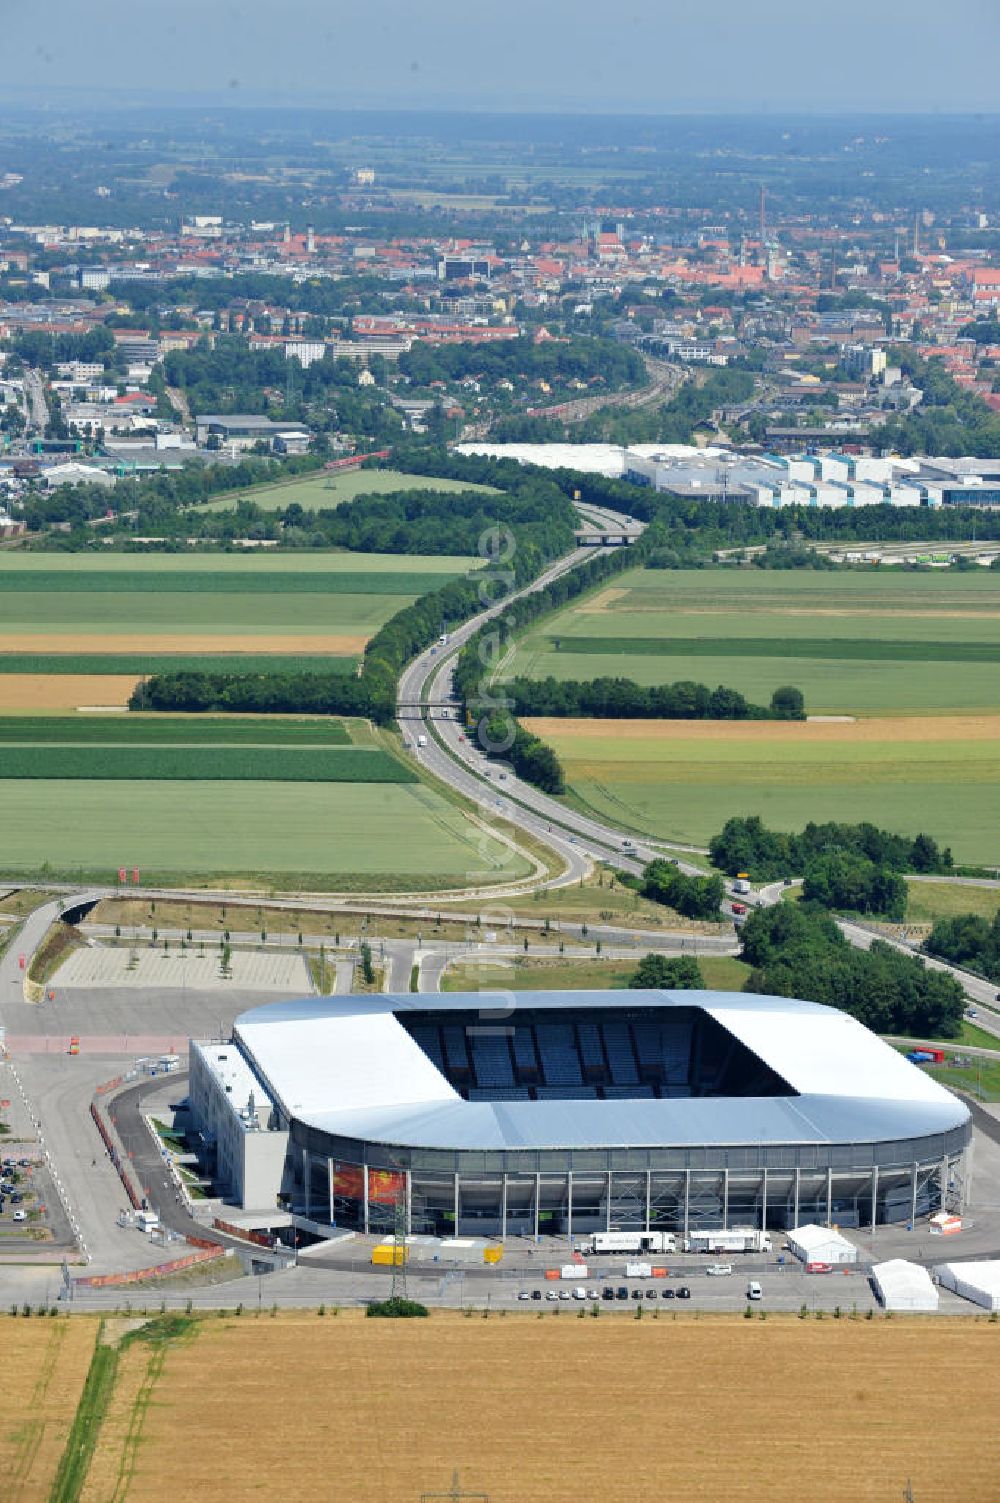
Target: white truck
[(632, 1242), (421, 740), (743, 1239), (742, 883)]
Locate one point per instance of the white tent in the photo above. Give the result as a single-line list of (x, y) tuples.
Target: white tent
[(904, 1286), (821, 1244), (979, 1282)]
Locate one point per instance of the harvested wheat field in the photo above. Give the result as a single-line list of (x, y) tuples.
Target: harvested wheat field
[(25, 692), (896, 728), (45, 1362), (559, 1408), (196, 641)]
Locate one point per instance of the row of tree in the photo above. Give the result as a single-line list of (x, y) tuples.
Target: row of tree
[(623, 699), (802, 953), (745, 844), (968, 940)]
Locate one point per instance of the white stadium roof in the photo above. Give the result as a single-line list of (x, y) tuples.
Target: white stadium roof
[(348, 1067)]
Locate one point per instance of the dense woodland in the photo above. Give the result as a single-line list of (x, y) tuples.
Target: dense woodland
[(796, 953)]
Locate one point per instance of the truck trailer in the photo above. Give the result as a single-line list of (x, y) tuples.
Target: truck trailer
[(736, 1239), (632, 1242)]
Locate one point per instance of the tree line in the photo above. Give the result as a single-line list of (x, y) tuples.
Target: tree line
[(623, 699), (745, 844), (796, 953)]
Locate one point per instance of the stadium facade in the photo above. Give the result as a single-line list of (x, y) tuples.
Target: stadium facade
[(574, 1112)]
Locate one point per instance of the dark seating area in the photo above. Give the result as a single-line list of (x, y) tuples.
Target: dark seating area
[(587, 1054)]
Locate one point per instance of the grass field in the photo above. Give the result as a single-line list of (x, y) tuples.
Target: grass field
[(927, 901), (317, 492), (311, 836), (682, 780), (391, 1411), (258, 764), (721, 973), (597, 899), (864, 643), (131, 664), (167, 730)]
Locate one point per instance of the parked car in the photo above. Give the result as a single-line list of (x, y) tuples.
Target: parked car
[(650, 1293), (552, 1294), (622, 1292), (565, 1294), (684, 1292), (607, 1292), (637, 1294), (524, 1294), (20, 1215), (579, 1292), (754, 1291), (536, 1294), (666, 1294)]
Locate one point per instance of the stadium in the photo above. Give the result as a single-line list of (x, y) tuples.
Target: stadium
[(573, 1112)]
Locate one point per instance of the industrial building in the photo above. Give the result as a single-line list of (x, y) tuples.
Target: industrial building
[(828, 479), (574, 1112)]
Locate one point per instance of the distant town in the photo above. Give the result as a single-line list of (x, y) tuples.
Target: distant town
[(844, 353)]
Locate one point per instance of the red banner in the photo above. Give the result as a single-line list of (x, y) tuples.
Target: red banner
[(385, 1186), (348, 1180)]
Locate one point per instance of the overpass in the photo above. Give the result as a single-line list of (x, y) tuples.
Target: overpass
[(587, 537)]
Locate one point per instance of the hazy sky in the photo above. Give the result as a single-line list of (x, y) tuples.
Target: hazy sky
[(656, 55)]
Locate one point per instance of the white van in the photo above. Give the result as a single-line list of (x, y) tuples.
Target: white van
[(754, 1291)]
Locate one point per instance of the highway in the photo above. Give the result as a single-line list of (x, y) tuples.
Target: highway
[(504, 800)]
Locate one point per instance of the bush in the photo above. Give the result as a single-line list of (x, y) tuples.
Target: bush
[(395, 1309), (661, 972)]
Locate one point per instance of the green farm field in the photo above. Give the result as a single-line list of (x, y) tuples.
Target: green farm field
[(306, 836), (681, 780), (69, 621), (316, 492), (855, 643)]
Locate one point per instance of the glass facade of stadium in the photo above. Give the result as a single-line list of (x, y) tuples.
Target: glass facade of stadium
[(552, 1192)]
